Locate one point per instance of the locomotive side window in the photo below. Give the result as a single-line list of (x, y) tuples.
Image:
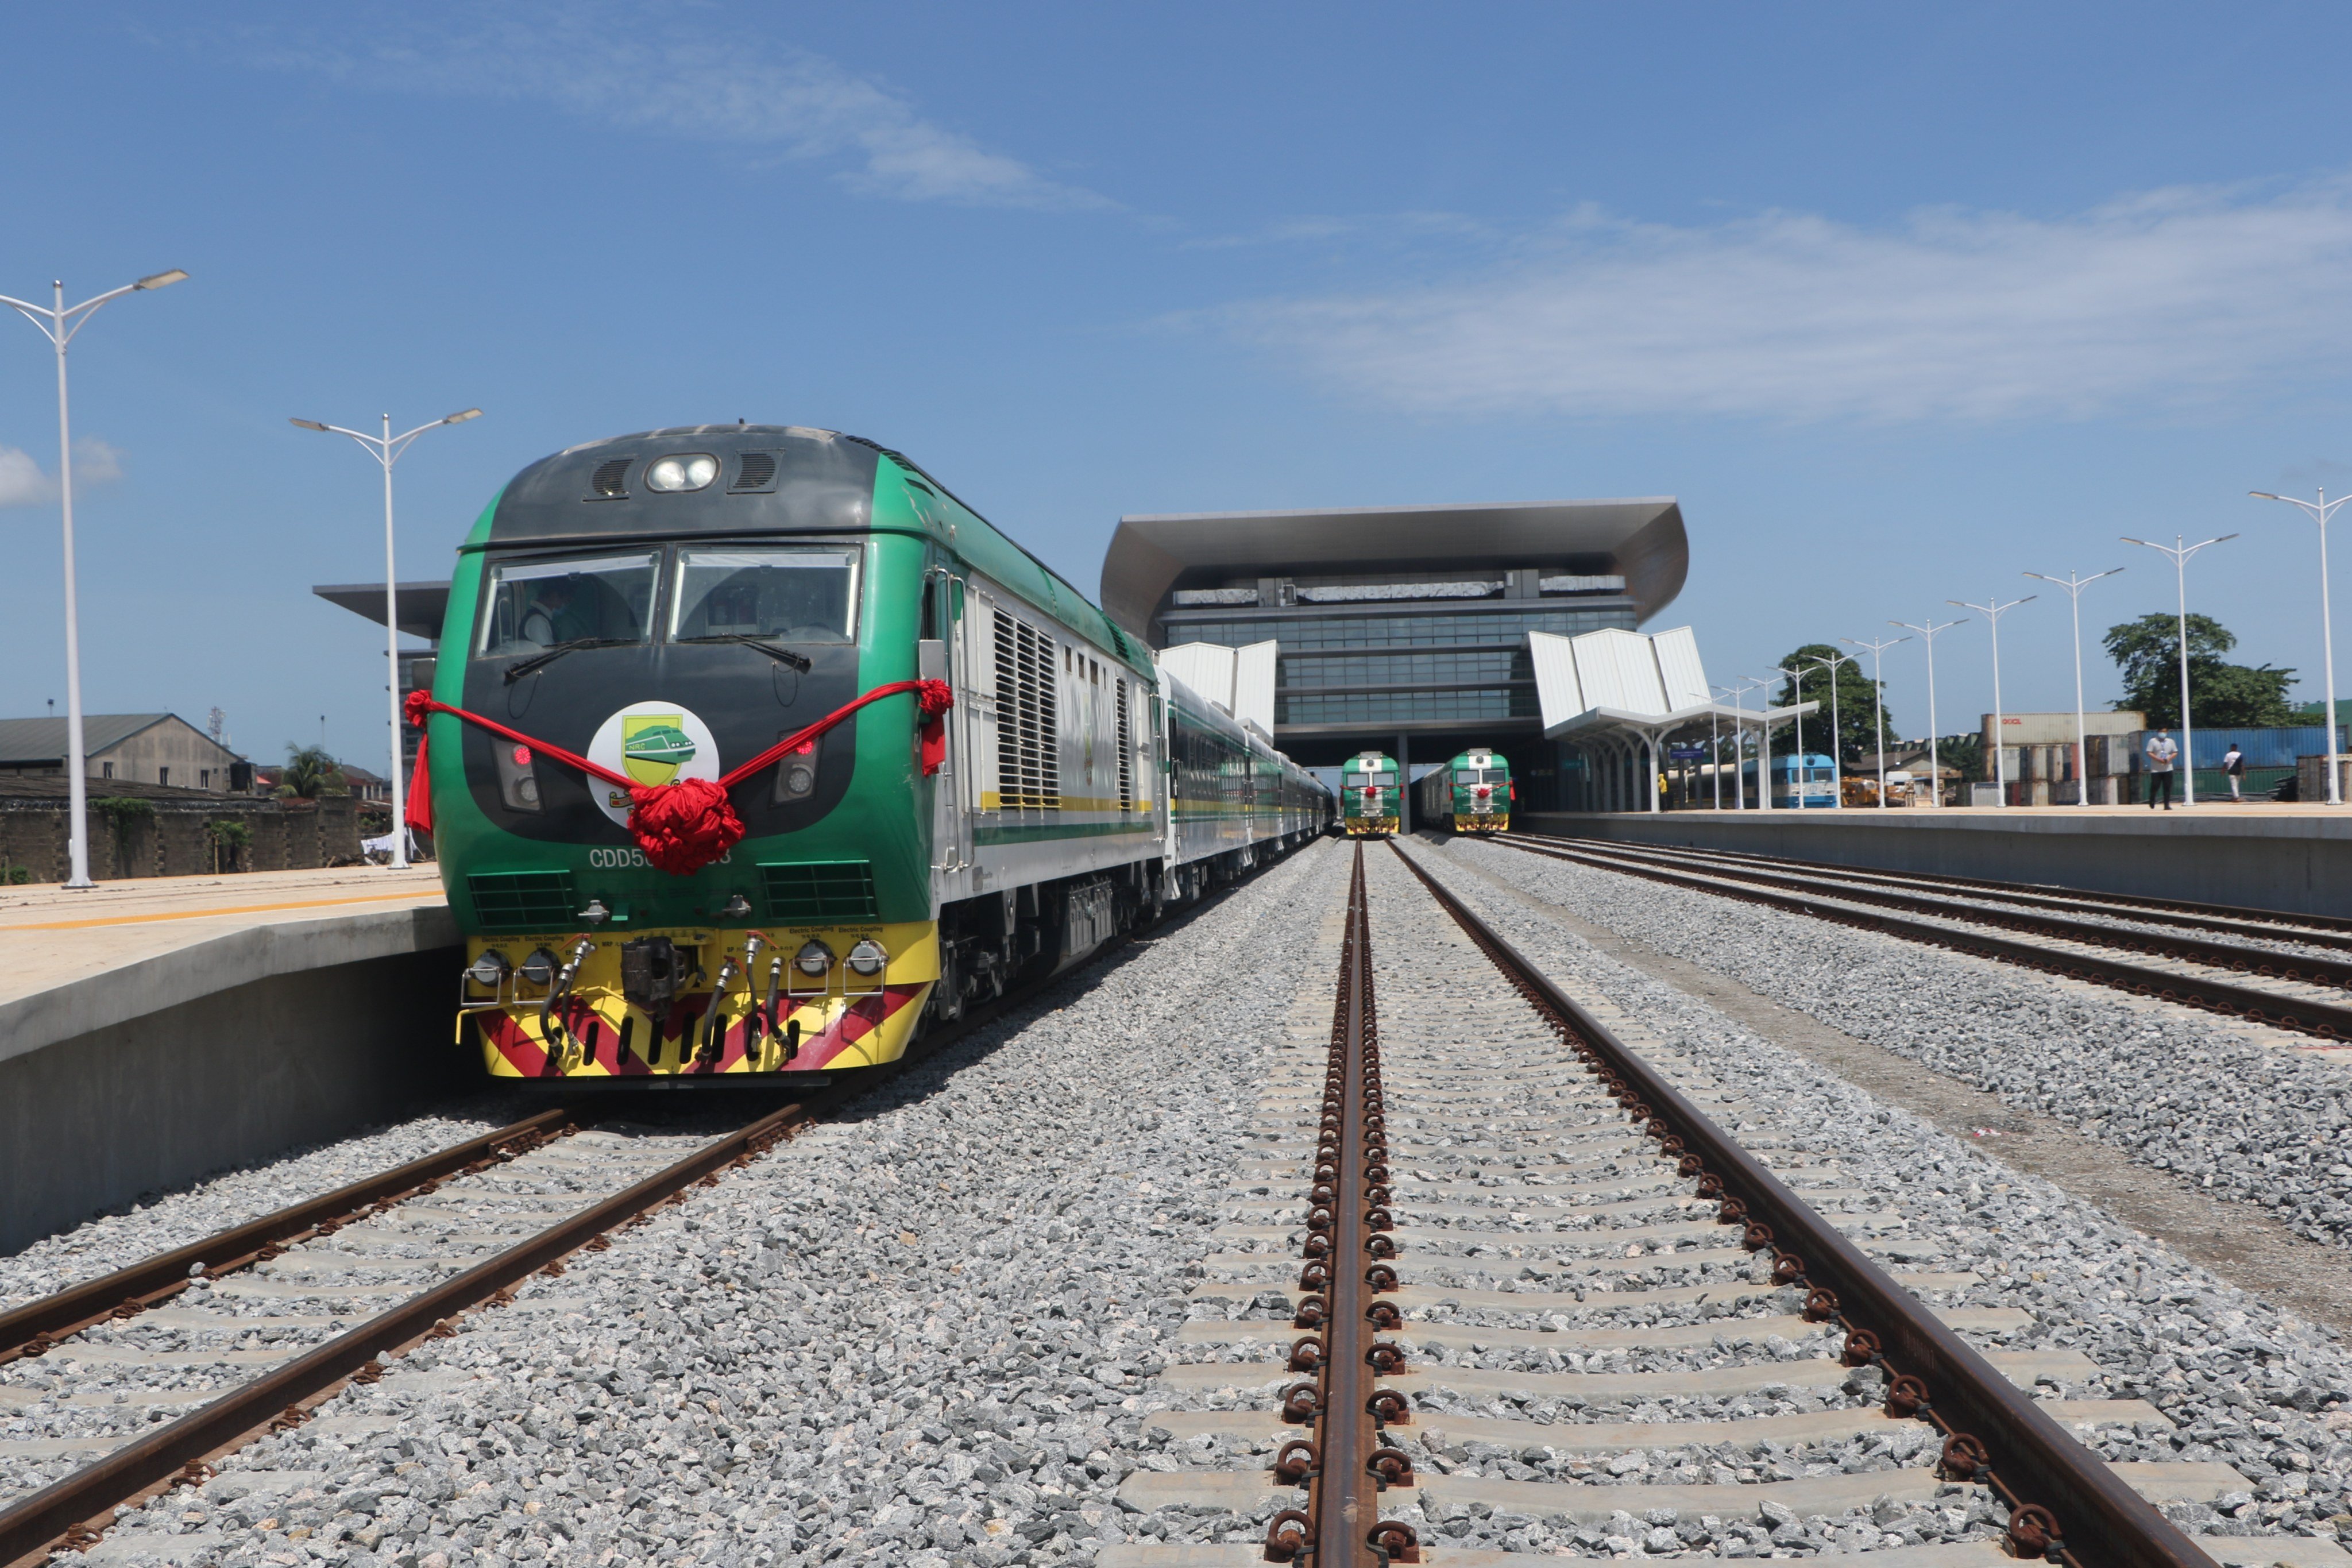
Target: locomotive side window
[(536, 605), (799, 595)]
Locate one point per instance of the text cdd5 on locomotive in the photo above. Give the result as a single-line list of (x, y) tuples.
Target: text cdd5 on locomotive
[(752, 751)]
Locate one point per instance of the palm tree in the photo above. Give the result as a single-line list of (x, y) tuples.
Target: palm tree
[(310, 773)]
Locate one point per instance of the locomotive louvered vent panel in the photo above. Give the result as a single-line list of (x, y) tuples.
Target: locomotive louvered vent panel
[(819, 891), (756, 471), (611, 480), (1028, 770), (524, 900), (1126, 749)]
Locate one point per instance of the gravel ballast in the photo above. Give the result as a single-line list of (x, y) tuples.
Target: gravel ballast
[(918, 1333), (2243, 1384), (2174, 1090), (164, 1221)]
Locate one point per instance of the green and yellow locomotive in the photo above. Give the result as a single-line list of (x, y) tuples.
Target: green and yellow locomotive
[(1472, 794), (751, 750), (1368, 785)]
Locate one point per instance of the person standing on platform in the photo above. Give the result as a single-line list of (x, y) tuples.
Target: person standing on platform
[(2233, 767), (2162, 748)]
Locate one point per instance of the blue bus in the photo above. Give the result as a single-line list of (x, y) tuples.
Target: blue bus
[(1798, 782)]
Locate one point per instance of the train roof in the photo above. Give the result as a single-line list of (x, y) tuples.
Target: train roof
[(776, 480)]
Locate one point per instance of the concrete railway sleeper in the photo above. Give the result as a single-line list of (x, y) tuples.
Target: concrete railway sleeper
[(2065, 1504), (2324, 1019)]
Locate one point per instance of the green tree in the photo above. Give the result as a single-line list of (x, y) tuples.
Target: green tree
[(1855, 717), (309, 774), (2220, 695)]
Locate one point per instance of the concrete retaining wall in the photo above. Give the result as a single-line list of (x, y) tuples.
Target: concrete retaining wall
[(170, 834), (220, 1053), (2301, 863)]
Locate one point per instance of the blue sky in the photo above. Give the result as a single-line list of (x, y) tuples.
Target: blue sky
[(1900, 302)]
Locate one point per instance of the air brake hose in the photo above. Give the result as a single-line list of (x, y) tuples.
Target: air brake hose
[(714, 1027)]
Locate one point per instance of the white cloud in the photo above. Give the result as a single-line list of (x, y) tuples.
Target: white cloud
[(666, 68), (23, 482), (2161, 300)]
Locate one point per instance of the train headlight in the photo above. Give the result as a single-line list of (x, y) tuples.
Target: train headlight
[(867, 957), (688, 472), (541, 966), (814, 959), (800, 779), (489, 970)]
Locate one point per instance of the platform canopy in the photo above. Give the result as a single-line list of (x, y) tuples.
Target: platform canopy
[(1153, 555), (422, 605), (1614, 690)]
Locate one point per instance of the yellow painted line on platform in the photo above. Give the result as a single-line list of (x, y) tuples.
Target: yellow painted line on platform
[(225, 910)]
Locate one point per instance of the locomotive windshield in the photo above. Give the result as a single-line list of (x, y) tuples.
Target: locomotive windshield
[(800, 596), (536, 605)]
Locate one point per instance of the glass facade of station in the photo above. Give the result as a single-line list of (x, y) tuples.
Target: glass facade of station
[(1390, 663)]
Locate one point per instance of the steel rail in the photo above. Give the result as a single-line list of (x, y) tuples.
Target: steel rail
[(2065, 1504), (1346, 1269), (2327, 1020), (2213, 954), (68, 1512), (2259, 925), (35, 1327)]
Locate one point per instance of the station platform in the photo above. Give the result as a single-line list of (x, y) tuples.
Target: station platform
[(224, 1018), (2262, 854)]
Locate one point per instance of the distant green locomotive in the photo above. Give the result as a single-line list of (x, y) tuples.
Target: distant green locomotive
[(1369, 789), (751, 749), (1472, 794)]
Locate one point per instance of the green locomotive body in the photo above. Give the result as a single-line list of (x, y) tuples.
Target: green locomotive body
[(669, 606)]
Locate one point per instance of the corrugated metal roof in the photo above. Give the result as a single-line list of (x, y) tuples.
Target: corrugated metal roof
[(43, 740)]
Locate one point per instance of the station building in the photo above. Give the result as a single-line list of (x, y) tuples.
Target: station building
[(1413, 630)]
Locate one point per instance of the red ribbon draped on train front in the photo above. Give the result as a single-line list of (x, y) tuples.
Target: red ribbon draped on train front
[(684, 825)]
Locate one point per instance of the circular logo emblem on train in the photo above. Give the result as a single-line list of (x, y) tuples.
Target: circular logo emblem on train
[(651, 743)]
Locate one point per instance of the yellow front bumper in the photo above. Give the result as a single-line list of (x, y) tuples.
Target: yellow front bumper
[(844, 1020)]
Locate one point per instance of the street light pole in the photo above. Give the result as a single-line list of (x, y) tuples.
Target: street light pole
[(1877, 701), (386, 449), (2180, 554), (2074, 586), (1797, 701), (1934, 767), (1837, 761), (1714, 741), (1763, 741), (2320, 514), (58, 323), (1992, 607)]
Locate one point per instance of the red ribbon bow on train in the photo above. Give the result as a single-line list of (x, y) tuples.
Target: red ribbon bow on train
[(686, 824)]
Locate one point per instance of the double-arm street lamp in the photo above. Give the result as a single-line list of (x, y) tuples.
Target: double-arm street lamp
[(2074, 586), (59, 323), (386, 449), (1934, 767), (1992, 607), (2319, 513), (1877, 701), (1837, 762), (2180, 554)]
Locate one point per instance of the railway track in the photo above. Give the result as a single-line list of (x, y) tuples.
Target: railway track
[(2174, 957), (260, 1324), (1513, 1271), (260, 1350)]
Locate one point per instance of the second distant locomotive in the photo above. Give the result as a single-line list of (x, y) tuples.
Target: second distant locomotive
[(1472, 794)]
